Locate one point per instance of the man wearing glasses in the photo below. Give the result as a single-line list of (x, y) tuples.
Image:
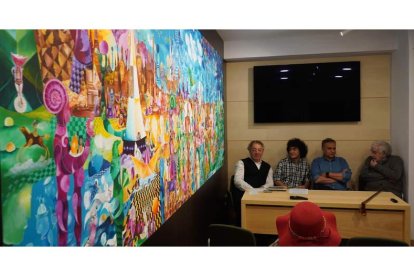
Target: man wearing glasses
[(382, 171)]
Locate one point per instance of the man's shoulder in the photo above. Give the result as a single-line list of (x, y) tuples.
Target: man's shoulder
[(283, 160), (318, 159), (267, 164), (341, 159), (240, 162), (395, 158)]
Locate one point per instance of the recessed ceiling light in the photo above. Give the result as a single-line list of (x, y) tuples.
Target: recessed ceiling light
[(284, 70), (284, 78), (346, 69), (338, 76)]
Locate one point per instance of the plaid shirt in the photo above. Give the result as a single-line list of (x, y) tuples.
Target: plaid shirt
[(292, 174)]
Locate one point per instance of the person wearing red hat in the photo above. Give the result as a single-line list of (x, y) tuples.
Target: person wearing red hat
[(307, 225)]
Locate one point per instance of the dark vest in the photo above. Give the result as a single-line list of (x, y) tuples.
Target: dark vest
[(254, 176)]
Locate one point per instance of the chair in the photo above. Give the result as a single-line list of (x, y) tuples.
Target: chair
[(229, 235), (371, 241), (236, 195), (227, 214)]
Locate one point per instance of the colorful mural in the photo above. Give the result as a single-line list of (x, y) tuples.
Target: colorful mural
[(104, 134)]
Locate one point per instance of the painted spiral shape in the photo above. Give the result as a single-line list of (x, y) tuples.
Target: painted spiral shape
[(54, 96)]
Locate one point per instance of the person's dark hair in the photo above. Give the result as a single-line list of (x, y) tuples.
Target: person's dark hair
[(297, 143), (328, 140)]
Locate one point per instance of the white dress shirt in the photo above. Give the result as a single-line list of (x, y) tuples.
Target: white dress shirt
[(243, 185)]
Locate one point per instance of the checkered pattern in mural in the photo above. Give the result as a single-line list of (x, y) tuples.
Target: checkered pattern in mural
[(77, 125), (77, 76), (143, 201)]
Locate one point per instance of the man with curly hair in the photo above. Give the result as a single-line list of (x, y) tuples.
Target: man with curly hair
[(293, 171)]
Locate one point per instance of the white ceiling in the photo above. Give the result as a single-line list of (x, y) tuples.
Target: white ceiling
[(258, 43), (256, 34)]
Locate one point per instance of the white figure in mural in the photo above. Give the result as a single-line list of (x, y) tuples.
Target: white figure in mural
[(135, 120)]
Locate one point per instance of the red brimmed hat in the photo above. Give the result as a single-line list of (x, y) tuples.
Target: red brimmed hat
[(307, 225)]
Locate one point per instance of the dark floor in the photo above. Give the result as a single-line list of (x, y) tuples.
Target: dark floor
[(264, 240), (344, 242)]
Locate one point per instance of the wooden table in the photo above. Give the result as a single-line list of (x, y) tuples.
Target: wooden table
[(383, 218)]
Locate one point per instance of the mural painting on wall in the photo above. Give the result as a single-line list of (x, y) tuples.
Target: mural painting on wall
[(104, 133)]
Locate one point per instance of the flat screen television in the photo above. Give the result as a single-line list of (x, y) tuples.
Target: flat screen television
[(313, 92)]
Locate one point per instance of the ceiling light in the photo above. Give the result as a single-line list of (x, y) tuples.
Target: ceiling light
[(344, 32)]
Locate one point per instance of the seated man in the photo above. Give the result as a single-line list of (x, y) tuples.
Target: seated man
[(382, 170), (294, 170), (330, 172), (251, 174)]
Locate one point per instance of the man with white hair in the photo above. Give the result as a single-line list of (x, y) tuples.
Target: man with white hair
[(252, 174), (382, 170)]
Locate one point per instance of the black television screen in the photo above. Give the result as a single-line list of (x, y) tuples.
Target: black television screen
[(314, 92)]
